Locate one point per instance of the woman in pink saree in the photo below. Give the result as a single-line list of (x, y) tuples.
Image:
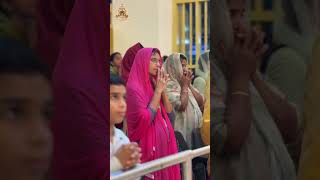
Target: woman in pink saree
[(147, 108)]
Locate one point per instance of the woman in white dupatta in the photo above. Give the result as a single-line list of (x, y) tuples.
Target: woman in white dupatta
[(185, 99), (252, 122)]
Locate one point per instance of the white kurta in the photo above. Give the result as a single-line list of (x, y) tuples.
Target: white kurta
[(119, 139)]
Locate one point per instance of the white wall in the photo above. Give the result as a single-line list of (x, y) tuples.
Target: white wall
[(165, 25), (149, 22)]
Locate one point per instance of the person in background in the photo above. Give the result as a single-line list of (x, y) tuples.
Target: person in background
[(294, 33), (185, 99), (115, 63), (164, 58), (205, 129), (149, 111), (17, 20), (310, 152), (25, 113), (203, 67), (128, 59), (252, 121), (184, 61), (123, 154), (202, 73), (125, 68), (310, 159)]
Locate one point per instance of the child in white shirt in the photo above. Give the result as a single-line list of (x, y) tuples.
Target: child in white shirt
[(123, 154)]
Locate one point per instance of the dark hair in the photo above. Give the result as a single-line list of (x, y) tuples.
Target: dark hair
[(183, 57), (164, 58), (15, 58), (116, 80), (155, 50), (113, 55)]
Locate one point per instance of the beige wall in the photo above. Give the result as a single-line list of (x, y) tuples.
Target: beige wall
[(149, 22)]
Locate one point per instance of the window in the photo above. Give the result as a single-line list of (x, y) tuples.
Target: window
[(191, 31)]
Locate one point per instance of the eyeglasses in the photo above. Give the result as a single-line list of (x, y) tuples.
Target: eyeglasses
[(155, 61)]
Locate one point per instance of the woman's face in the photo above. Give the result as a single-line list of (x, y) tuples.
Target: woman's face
[(237, 9), (154, 64), (184, 63), (117, 60), (25, 138)]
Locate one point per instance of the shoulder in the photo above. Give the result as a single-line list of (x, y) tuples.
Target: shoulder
[(286, 55), (121, 136), (286, 60)]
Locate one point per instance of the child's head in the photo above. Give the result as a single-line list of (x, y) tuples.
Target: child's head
[(118, 105), (25, 111), (116, 59)]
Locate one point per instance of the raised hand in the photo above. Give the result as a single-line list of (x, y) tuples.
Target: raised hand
[(186, 78), (129, 155), (162, 81), (243, 58)]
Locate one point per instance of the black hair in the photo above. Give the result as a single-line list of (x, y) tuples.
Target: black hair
[(183, 57), (113, 55), (15, 58), (164, 58), (116, 80), (155, 50)]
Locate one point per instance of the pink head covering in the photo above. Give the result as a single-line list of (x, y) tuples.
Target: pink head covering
[(128, 59), (155, 139), (80, 125)]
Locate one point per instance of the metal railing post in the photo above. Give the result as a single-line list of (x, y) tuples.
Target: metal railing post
[(187, 169)]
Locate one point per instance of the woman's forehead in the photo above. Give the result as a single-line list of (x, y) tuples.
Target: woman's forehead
[(155, 55)]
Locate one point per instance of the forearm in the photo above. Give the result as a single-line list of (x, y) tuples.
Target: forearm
[(184, 98), (283, 113), (238, 113), (166, 102), (197, 96), (155, 101)]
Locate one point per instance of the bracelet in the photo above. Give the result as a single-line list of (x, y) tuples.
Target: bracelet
[(240, 93)]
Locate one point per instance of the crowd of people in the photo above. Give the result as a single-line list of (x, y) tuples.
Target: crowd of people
[(256, 104), (162, 107)]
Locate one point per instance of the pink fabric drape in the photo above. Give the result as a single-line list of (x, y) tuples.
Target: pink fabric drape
[(155, 139), (80, 125)]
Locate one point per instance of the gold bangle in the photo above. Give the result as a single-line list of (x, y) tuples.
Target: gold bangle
[(240, 93)]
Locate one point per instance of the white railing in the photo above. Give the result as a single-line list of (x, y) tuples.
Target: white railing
[(184, 157)]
